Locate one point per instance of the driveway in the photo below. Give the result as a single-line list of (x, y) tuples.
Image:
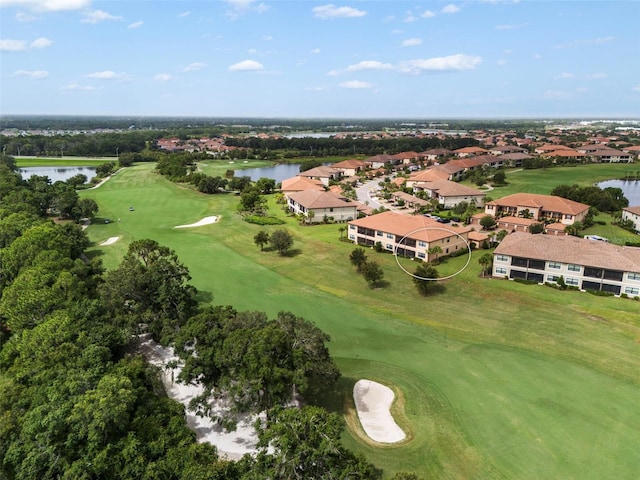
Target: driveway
[(364, 193)]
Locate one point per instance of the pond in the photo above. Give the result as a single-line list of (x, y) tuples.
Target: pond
[(58, 174), (277, 172), (631, 189)]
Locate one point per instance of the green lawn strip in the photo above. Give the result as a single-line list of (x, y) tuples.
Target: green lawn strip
[(611, 232), (544, 180), (24, 162), (483, 349)]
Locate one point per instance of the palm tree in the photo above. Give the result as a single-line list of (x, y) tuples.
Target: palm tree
[(434, 251), (485, 262)]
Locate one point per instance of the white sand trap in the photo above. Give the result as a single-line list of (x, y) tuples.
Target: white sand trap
[(204, 221), (373, 403), (110, 241), (232, 445)]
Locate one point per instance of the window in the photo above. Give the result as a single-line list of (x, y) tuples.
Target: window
[(501, 270), (421, 255), (592, 272), (389, 246), (352, 227), (331, 209), (535, 277), (613, 275), (519, 262), (352, 237), (378, 233), (587, 285), (633, 276), (421, 243), (552, 278), (536, 264), (632, 290), (389, 235), (615, 289), (555, 265), (518, 274), (573, 268), (571, 281), (502, 258)]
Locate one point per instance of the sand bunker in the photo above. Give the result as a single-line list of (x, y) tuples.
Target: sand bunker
[(109, 241), (204, 221), (232, 445), (373, 403)]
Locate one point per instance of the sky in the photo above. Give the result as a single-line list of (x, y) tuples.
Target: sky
[(321, 59)]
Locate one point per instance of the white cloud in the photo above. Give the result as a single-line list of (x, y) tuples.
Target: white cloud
[(192, 67), (564, 76), (97, 16), (412, 42), (636, 88), (410, 17), (36, 74), (333, 73), (451, 8), (588, 41), (315, 51), (511, 27), (440, 64), (8, 45), (25, 17), (355, 84), (330, 11), (246, 66), (428, 14), (105, 75), (558, 95), (163, 77), (47, 5), (75, 86), (369, 65), (41, 42), (184, 14), (238, 8), (133, 25)]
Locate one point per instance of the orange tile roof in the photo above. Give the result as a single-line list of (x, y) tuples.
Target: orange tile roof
[(635, 210), (569, 249), (446, 188), (413, 226), (298, 184), (548, 203), (353, 163), (470, 150), (317, 199)]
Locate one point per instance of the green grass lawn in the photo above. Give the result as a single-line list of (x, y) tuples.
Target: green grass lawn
[(496, 379), (544, 180), (24, 162)]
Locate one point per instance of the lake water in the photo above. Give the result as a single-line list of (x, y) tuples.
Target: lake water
[(277, 172), (58, 174), (631, 189)]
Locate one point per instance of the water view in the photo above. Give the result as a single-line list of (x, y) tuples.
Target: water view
[(277, 172), (58, 174), (631, 189)]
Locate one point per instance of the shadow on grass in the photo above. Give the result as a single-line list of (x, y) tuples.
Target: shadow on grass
[(333, 400), (93, 253), (294, 252), (204, 297), (379, 284)]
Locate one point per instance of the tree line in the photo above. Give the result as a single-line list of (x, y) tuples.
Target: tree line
[(78, 400)]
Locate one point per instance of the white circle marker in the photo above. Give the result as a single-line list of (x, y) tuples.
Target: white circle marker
[(395, 254)]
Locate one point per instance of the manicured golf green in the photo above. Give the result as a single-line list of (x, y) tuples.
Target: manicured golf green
[(497, 379), (23, 162)]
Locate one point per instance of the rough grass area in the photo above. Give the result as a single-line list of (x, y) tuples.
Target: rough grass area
[(497, 379)]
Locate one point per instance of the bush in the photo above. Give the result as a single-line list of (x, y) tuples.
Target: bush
[(258, 220), (600, 293), (525, 282)]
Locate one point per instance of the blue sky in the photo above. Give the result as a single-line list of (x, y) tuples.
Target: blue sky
[(320, 59)]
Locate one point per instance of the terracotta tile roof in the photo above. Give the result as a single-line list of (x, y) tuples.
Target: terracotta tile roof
[(446, 188), (470, 150), (635, 148), (382, 158), (400, 224), (399, 181), (323, 171), (408, 155), (477, 236), (548, 203), (551, 147), (353, 163), (634, 210), (431, 174), (298, 184), (514, 156), (525, 222), (569, 249), (555, 227), (317, 199), (436, 151), (564, 153)]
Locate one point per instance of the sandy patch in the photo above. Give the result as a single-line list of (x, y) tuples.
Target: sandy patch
[(373, 403), (204, 221), (110, 241), (232, 445)]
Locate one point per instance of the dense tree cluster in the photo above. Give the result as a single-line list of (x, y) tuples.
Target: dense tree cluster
[(610, 199), (77, 399)]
